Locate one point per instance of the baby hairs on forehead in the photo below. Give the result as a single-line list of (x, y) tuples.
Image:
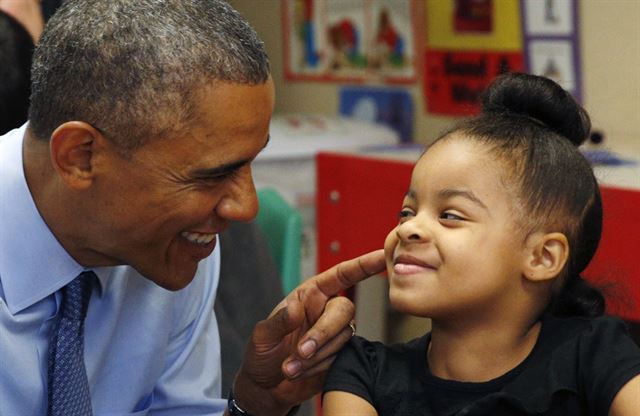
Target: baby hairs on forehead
[(130, 68), (535, 127)]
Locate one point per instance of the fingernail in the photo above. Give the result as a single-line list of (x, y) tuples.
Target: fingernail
[(308, 348), (293, 367)]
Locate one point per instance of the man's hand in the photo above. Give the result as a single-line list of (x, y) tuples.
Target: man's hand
[(289, 352)]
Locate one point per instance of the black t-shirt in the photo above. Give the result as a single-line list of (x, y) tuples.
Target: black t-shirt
[(577, 367)]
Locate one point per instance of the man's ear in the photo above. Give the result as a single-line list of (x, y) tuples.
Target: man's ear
[(72, 146), (547, 255)]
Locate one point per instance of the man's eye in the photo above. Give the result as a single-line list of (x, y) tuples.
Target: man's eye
[(450, 216), (216, 179), (405, 213)]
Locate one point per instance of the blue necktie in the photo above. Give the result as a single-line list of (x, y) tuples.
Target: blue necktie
[(68, 384)]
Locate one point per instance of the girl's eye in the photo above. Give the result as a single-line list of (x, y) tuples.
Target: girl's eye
[(405, 213), (450, 216)]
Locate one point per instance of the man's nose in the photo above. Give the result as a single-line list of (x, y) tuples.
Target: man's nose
[(240, 203)]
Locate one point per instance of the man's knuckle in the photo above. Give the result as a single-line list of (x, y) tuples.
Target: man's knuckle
[(342, 275), (322, 332), (341, 304), (346, 305)]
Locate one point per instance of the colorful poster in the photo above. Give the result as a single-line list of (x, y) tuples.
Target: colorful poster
[(469, 43), (548, 17), (349, 40), (551, 42), (389, 106), (390, 47), (474, 25), (343, 27), (454, 80), (303, 51), (475, 16), (553, 59)]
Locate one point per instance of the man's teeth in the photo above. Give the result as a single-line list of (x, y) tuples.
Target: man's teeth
[(198, 238)]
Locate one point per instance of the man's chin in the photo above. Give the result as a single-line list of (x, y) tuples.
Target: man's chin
[(175, 284), (172, 281)]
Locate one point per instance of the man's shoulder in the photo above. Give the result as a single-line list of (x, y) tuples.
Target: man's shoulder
[(13, 134)]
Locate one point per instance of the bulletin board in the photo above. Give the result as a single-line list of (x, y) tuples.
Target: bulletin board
[(350, 40), (551, 42), (470, 42)]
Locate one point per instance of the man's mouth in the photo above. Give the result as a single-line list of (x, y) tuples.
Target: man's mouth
[(198, 238)]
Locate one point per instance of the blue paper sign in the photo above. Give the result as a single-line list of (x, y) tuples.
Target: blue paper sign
[(392, 107)]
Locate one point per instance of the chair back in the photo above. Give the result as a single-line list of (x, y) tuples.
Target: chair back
[(281, 225)]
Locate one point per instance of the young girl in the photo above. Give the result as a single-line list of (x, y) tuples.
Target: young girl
[(502, 215)]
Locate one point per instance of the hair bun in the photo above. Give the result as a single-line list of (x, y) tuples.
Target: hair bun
[(541, 99)]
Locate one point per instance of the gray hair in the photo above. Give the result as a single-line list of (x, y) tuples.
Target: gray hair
[(131, 68)]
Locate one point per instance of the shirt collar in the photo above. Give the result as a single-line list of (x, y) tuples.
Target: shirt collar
[(33, 264)]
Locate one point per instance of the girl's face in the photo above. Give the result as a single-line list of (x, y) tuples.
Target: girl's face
[(457, 248)]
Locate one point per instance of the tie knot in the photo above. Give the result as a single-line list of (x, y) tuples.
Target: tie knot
[(76, 296)]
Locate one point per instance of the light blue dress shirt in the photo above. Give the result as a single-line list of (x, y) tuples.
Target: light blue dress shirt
[(147, 350)]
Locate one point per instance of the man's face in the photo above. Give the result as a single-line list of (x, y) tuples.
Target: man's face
[(160, 210)]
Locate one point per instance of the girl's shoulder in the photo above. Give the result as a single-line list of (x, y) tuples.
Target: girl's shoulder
[(581, 360), (593, 334), (380, 374), (377, 353)]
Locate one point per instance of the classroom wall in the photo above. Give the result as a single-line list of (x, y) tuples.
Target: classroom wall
[(610, 38)]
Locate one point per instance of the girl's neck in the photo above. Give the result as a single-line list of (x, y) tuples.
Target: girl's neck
[(479, 353)]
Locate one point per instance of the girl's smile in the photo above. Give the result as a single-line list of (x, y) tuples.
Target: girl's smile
[(405, 264)]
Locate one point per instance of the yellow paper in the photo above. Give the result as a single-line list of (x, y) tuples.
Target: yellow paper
[(506, 34)]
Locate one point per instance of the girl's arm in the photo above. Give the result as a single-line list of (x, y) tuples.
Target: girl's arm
[(627, 401), (340, 403)]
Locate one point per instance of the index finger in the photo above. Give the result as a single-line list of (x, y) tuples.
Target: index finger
[(347, 273)]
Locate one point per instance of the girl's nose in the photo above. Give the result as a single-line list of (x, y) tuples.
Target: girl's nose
[(413, 230)]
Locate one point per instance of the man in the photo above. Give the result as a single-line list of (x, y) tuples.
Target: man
[(145, 117)]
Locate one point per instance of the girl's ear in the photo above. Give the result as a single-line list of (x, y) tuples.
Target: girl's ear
[(547, 255)]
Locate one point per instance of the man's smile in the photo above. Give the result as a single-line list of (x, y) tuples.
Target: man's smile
[(198, 238)]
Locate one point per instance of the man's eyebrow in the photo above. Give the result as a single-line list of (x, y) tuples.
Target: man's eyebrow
[(450, 193), (225, 169)]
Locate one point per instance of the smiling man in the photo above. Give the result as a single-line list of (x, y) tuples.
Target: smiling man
[(145, 117)]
